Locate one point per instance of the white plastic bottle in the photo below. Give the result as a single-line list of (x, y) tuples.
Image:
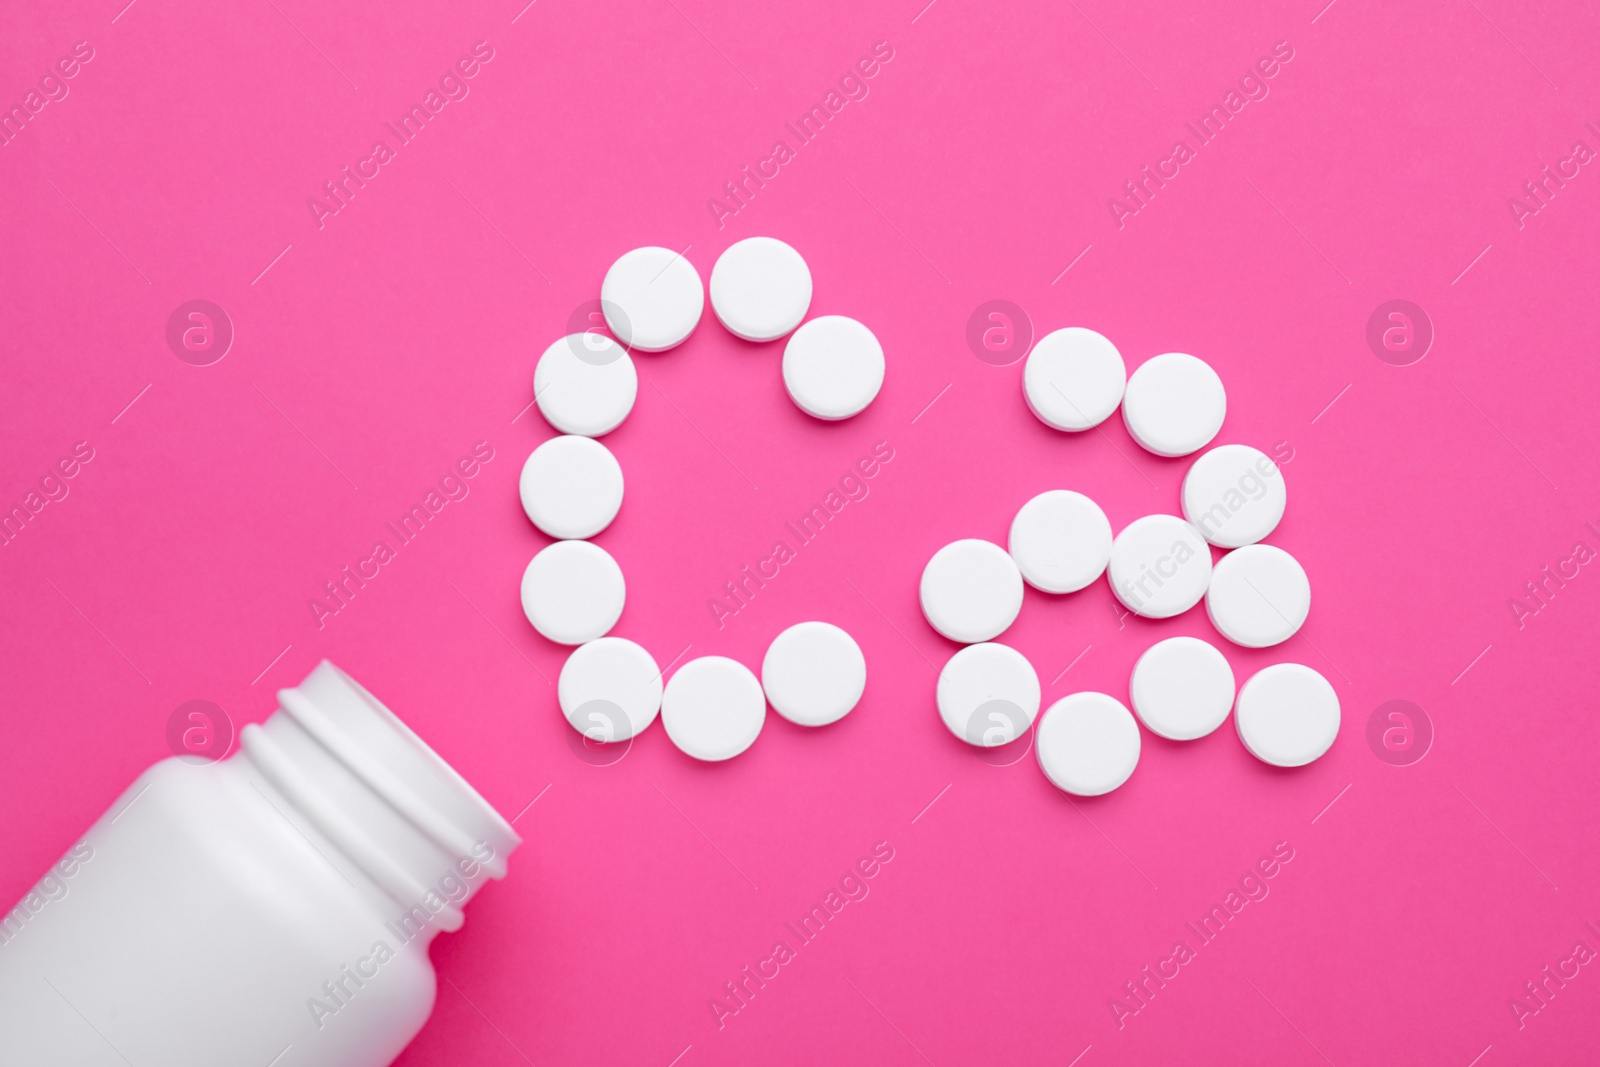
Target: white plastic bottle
[(273, 908)]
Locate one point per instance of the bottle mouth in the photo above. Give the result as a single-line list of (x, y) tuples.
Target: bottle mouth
[(332, 721), (375, 737), (375, 745)]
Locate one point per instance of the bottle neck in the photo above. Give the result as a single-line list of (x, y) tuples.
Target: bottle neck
[(395, 813)]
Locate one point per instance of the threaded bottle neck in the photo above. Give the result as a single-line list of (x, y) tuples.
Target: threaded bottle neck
[(391, 808)]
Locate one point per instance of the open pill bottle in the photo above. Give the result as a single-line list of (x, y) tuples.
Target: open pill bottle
[(274, 907)]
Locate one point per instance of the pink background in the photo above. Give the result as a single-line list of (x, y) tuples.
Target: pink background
[(405, 330)]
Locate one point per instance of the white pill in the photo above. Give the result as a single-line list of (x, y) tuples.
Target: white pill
[(1287, 715), (1175, 404), (1234, 495), (971, 590), (760, 288), (1182, 688), (1088, 744), (571, 486), (573, 592), (713, 708), (988, 694), (813, 673), (585, 383), (1259, 596), (652, 299), (1061, 541), (832, 367), (1160, 566), (610, 689), (1074, 379)]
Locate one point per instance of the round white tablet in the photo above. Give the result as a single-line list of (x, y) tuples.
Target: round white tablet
[(659, 297), (988, 694), (1234, 495), (760, 288), (585, 383), (832, 367), (713, 708), (1259, 596), (813, 673), (610, 689), (573, 592), (1160, 566), (571, 486), (1182, 688), (1088, 744), (1287, 715), (1175, 404), (1061, 541), (971, 590), (1074, 378)]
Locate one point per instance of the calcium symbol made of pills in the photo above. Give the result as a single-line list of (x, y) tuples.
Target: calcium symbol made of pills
[(988, 695)]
